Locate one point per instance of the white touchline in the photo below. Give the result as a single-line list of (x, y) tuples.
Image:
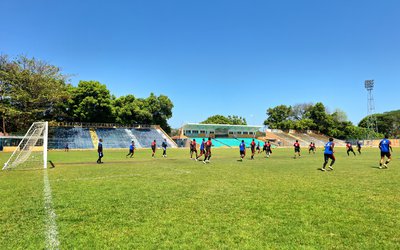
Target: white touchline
[(51, 226)]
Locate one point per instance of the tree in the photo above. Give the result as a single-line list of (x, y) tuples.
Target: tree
[(91, 102), (30, 90), (161, 109), (220, 119), (277, 116), (300, 111), (322, 120), (388, 123), (152, 110)]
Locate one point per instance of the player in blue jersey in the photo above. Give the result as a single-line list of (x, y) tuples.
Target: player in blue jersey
[(202, 149), (131, 150), (359, 147), (100, 151), (385, 147), (242, 148), (328, 154), (164, 146)]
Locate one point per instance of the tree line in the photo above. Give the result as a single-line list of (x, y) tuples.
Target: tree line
[(308, 116), (33, 90)]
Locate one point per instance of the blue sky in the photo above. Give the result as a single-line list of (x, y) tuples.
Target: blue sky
[(219, 57)]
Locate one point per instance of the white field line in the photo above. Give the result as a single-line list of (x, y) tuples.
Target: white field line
[(51, 226)]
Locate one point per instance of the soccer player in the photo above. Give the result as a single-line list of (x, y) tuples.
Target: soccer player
[(350, 149), (208, 151), (311, 148), (100, 151), (202, 149), (258, 147), (66, 149), (164, 147), (193, 149), (153, 148), (267, 148), (328, 154), (253, 149), (131, 150), (242, 148), (385, 147), (359, 147), (296, 146)]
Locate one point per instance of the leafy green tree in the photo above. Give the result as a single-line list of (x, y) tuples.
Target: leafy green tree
[(91, 102), (322, 120), (278, 117), (216, 119), (30, 90), (152, 110), (161, 109), (220, 119), (388, 123)]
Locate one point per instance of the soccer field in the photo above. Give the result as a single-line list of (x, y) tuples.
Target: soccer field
[(173, 202)]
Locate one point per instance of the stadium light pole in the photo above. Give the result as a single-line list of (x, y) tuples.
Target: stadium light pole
[(371, 119)]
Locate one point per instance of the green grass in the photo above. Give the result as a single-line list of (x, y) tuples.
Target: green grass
[(278, 203)]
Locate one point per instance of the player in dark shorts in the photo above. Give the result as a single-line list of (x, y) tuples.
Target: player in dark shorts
[(131, 150), (100, 151), (385, 147), (242, 149), (267, 148), (153, 148), (296, 146), (164, 146), (311, 148), (253, 149), (208, 151), (350, 149), (66, 149), (193, 149), (328, 154), (258, 147), (202, 149), (359, 147)]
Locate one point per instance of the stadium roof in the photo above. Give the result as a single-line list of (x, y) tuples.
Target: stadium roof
[(199, 126)]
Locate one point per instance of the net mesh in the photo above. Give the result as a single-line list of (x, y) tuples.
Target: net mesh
[(29, 153)]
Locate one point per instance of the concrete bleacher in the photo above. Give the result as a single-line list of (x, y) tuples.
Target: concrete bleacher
[(288, 139), (76, 138), (114, 137), (81, 138), (148, 135)]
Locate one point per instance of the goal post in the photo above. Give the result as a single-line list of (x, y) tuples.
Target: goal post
[(31, 152)]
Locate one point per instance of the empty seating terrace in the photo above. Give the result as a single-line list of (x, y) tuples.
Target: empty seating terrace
[(76, 138), (113, 137)]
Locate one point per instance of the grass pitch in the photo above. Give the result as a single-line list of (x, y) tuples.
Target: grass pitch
[(145, 203)]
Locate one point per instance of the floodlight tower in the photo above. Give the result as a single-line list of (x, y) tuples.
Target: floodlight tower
[(371, 119)]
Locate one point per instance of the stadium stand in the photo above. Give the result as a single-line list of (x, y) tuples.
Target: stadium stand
[(76, 138), (146, 136), (86, 136), (114, 137)]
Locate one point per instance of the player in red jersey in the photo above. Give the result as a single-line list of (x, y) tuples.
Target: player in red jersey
[(311, 148), (267, 148), (208, 151), (193, 149), (153, 148), (350, 148), (253, 149), (296, 146)]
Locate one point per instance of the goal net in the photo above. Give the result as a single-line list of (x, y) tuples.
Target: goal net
[(31, 152)]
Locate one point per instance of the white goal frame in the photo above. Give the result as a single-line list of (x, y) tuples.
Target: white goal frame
[(17, 157)]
